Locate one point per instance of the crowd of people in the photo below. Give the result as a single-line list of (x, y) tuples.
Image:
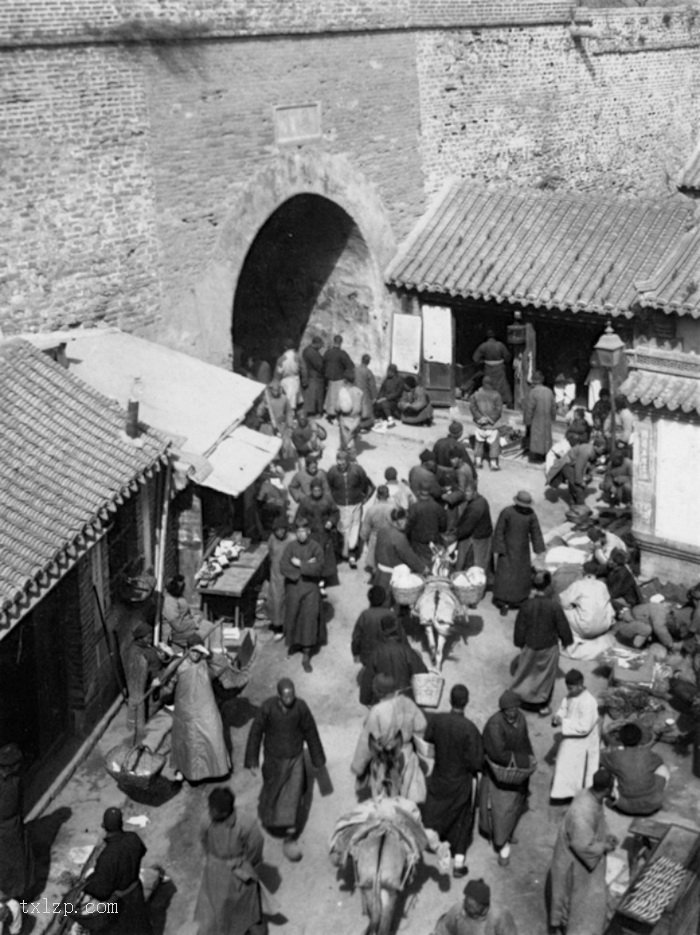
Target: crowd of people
[(455, 772)]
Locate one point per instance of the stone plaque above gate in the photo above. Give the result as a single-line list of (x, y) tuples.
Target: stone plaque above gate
[(297, 123)]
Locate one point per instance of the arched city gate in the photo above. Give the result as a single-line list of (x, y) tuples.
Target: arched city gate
[(302, 252)]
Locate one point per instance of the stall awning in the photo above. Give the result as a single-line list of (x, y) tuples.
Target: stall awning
[(239, 459), (198, 405)]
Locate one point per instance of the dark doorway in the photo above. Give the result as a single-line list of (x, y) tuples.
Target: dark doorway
[(308, 270)]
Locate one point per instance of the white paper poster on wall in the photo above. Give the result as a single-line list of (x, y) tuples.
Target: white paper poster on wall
[(677, 501), (437, 334), (405, 343)]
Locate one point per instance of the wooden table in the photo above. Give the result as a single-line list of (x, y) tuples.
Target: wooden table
[(231, 593)]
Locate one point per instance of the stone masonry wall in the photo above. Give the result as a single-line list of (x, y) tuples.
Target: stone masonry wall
[(131, 131)]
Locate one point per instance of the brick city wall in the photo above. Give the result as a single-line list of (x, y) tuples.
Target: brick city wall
[(131, 131)]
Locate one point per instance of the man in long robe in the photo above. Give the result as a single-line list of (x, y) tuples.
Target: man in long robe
[(276, 546), (579, 894), (116, 879), (539, 627), (506, 740), (229, 900), (517, 528), (312, 377), (449, 806), (376, 517), (288, 372), (336, 365), (425, 523), (322, 513), (393, 721), (282, 726), (350, 399), (142, 662), (393, 656), (366, 383), (579, 751), (539, 413), (474, 533), (302, 566), (366, 636), (198, 747)]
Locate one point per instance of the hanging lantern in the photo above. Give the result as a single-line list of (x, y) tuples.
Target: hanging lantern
[(516, 333)]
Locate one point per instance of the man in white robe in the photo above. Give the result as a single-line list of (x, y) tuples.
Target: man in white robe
[(578, 755), (590, 613)]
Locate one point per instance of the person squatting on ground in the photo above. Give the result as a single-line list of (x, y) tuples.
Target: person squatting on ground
[(501, 804), (539, 627), (282, 726), (302, 566), (229, 900), (386, 403), (350, 488), (579, 893), (487, 408), (449, 806), (414, 406), (388, 732), (640, 774), (589, 611), (116, 879), (579, 751), (473, 915), (517, 528)]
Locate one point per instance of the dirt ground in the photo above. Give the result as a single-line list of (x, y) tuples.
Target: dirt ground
[(312, 896)]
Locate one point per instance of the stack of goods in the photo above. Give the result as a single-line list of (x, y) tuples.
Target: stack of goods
[(656, 888), (227, 551)]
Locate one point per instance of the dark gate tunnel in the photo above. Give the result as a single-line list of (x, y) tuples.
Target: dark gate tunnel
[(307, 272)]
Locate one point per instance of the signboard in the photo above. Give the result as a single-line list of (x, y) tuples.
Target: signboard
[(297, 123), (405, 343), (677, 502)]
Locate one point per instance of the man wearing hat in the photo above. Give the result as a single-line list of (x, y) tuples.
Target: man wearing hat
[(578, 754), (487, 408), (391, 725), (116, 879), (539, 413), (198, 747), (516, 530), (312, 376), (426, 522), (283, 725), (579, 893), (472, 916), (501, 804), (302, 566), (424, 473)]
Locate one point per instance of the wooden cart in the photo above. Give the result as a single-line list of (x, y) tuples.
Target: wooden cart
[(675, 857)]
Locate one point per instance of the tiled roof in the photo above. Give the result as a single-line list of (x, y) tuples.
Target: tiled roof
[(674, 287), (690, 176), (549, 250), (65, 464), (662, 390)]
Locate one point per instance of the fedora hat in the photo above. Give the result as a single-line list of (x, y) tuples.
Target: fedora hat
[(523, 498)]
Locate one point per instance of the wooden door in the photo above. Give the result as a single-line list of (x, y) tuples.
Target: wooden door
[(438, 354)]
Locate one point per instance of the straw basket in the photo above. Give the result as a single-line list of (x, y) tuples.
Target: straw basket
[(469, 595), (134, 767), (512, 775), (427, 688), (407, 597)]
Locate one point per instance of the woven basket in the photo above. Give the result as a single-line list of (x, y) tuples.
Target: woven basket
[(407, 597), (134, 767), (512, 775), (470, 595), (427, 688)]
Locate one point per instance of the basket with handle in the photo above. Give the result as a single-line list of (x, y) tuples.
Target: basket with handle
[(512, 775), (427, 688), (467, 595), (407, 597), (134, 766)]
